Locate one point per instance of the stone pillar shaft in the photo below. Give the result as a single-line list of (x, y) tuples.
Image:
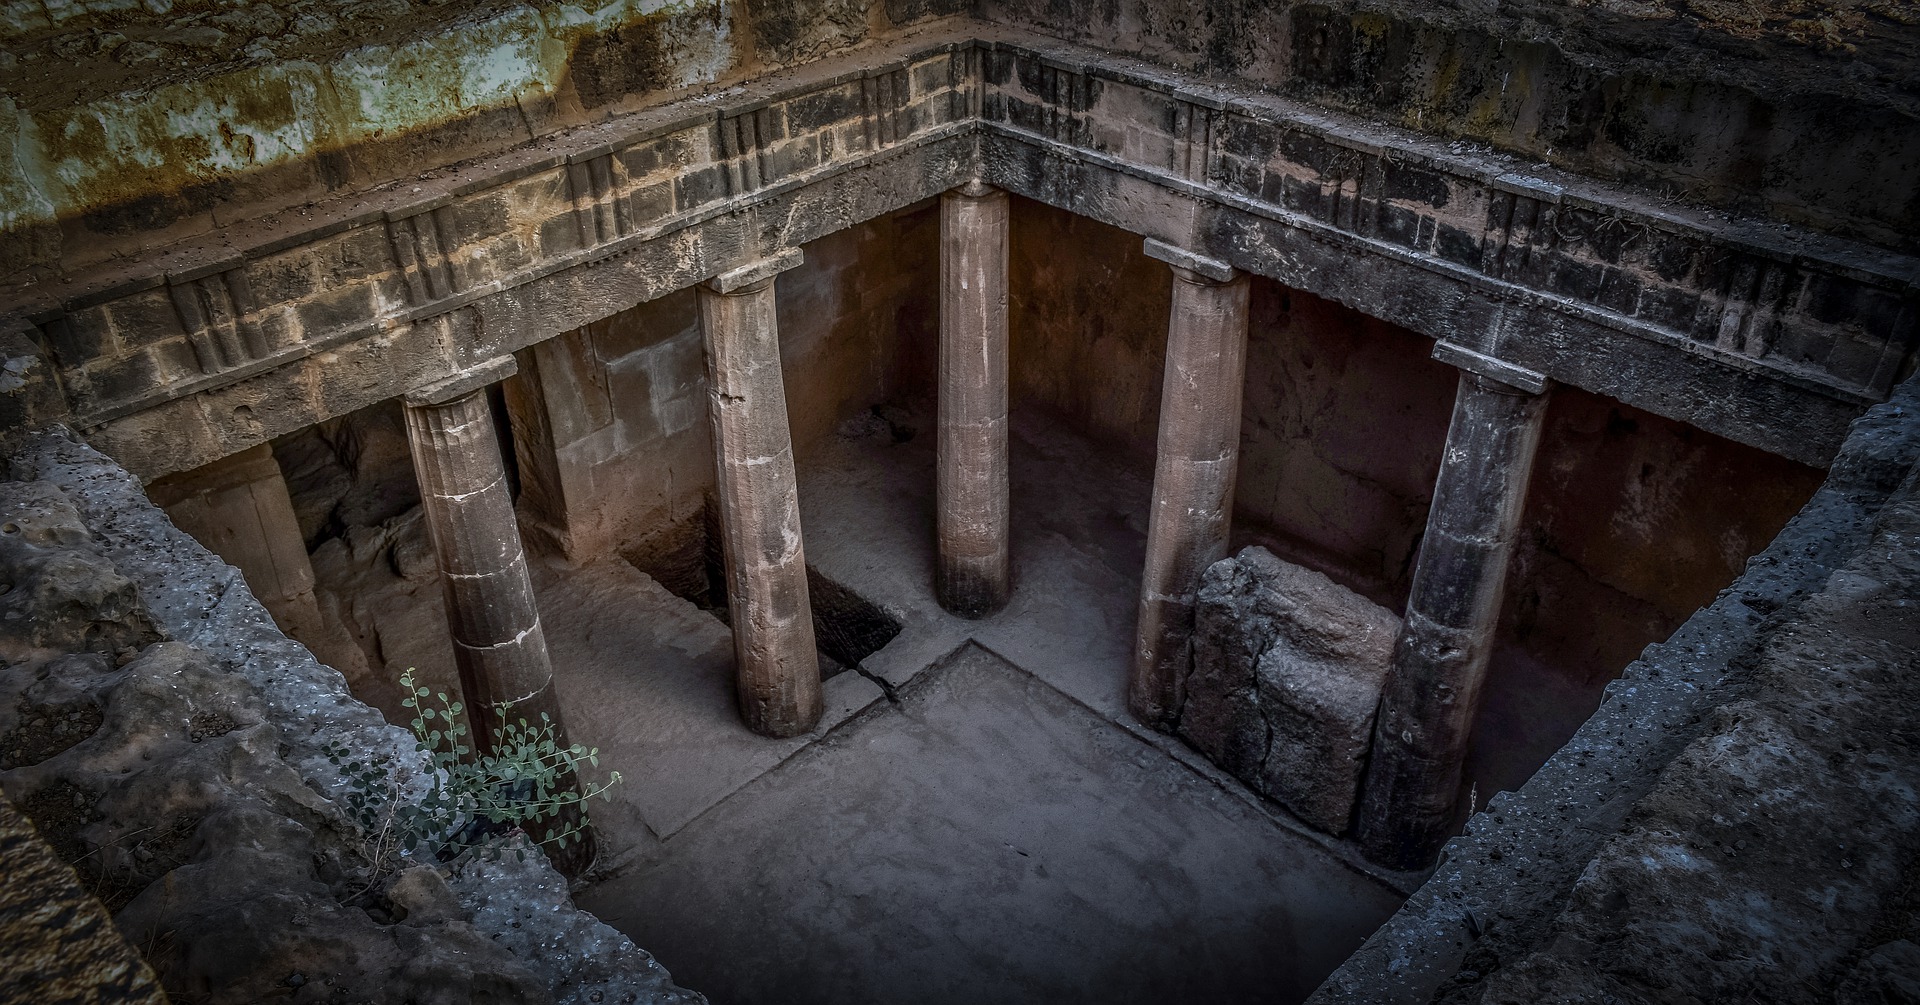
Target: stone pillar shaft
[(498, 642), (973, 574), (778, 667), (1194, 471), (1411, 800), (239, 508)]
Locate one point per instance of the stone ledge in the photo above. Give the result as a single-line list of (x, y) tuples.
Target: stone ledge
[(738, 279), (1181, 258), (492, 371)]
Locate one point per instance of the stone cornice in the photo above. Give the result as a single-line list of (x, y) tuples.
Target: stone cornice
[(1772, 337)]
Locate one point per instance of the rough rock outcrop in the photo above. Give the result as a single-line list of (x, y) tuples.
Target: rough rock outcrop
[(58, 945), (1287, 668), (190, 784), (1778, 855), (58, 592)]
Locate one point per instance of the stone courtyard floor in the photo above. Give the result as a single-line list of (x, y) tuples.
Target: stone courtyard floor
[(1000, 829)]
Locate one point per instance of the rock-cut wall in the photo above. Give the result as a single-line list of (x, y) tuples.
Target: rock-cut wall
[(172, 744)]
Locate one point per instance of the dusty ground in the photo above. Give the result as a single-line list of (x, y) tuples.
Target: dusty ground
[(990, 839)]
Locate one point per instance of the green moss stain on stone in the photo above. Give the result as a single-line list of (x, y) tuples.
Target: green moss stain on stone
[(121, 148), (149, 145), (385, 90), (23, 203)]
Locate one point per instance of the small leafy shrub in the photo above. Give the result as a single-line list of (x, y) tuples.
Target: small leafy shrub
[(527, 780)]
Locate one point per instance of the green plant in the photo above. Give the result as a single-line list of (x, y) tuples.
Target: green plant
[(525, 779)]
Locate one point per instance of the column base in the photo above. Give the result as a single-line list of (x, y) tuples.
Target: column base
[(970, 592)]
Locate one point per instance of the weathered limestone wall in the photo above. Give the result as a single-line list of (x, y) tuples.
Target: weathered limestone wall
[(859, 321), (1344, 421), (174, 119), (1796, 111), (1632, 521), (610, 423), (1084, 301)]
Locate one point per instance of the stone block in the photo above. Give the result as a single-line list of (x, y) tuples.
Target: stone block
[(142, 319), (79, 336), (1287, 671), (114, 381)]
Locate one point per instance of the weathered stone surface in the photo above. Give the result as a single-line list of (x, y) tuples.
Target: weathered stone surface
[(1287, 670), (240, 509), (30, 395), (499, 643), (61, 593), (1620, 90), (1890, 973), (1440, 660), (1281, 194), (1780, 845), (777, 668), (58, 945), (468, 506), (975, 529), (192, 786)]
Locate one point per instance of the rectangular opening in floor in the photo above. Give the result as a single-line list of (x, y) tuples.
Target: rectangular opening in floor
[(689, 562)]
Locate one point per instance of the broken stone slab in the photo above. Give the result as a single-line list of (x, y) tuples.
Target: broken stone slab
[(1287, 670)]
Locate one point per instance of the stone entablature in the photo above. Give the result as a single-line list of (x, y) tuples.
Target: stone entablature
[(1774, 338)]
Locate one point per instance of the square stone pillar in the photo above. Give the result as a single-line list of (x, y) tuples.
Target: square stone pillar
[(1410, 804), (239, 509), (972, 578), (777, 666), (1194, 470)]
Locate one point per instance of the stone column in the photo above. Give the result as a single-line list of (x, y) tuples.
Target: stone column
[(1410, 803), (497, 639), (238, 507), (972, 579), (1194, 471), (777, 666), (498, 643)]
